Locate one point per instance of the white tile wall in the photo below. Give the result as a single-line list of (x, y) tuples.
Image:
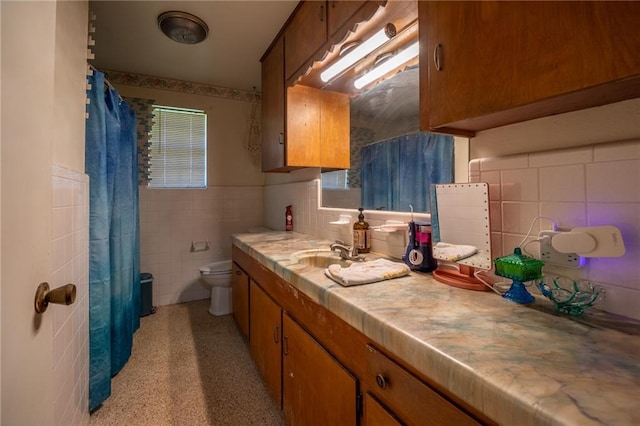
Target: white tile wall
[(584, 186), (592, 185), (171, 219), (310, 219), (70, 264)]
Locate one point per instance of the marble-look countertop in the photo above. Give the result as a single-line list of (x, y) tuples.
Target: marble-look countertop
[(517, 364)]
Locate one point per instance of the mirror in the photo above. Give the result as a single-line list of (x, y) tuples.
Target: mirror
[(387, 110), (461, 233)]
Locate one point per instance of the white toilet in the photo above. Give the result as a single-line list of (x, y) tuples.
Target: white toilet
[(217, 276)]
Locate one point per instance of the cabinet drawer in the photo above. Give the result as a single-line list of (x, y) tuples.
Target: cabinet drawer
[(411, 400)]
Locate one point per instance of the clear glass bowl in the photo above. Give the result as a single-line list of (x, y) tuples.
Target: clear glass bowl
[(568, 295)]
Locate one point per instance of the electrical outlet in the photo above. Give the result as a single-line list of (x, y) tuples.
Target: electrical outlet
[(550, 255)]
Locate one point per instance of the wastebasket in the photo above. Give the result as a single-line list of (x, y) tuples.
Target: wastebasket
[(146, 294)]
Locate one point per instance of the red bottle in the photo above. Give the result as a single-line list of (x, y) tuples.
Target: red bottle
[(288, 219)]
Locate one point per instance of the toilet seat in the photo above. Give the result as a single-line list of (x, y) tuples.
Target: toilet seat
[(221, 267)]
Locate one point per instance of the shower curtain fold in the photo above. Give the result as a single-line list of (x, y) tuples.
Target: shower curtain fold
[(114, 251), (399, 171)]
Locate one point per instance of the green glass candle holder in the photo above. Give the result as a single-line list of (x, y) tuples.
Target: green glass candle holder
[(520, 268)]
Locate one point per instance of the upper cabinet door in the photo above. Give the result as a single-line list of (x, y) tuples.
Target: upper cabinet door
[(305, 34), (340, 11), (486, 64), (273, 108)]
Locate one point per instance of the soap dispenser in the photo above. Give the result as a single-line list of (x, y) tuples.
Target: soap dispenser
[(361, 234)]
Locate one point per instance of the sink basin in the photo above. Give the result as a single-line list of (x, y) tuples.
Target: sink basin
[(319, 258)]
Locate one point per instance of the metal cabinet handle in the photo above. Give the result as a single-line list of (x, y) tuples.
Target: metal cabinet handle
[(321, 13), (64, 295), (281, 138), (285, 345), (276, 334), (381, 381), (437, 57)]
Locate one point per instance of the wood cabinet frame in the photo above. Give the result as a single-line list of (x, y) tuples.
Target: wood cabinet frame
[(353, 350)]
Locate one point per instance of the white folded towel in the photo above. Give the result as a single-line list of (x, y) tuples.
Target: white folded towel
[(366, 272), (453, 252)]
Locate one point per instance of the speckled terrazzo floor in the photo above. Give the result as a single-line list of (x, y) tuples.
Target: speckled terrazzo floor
[(188, 368)]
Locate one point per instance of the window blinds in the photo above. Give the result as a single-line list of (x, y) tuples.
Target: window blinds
[(178, 148)]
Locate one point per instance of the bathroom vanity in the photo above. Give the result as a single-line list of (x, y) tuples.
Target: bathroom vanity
[(414, 351)]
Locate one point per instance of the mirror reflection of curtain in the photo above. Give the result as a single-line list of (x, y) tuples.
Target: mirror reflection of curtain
[(399, 171)]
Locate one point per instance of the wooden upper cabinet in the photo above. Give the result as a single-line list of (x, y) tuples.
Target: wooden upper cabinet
[(317, 130), (487, 64), (335, 130), (339, 12), (305, 34), (273, 107)]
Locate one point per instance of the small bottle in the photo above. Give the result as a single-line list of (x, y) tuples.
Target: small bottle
[(361, 234), (288, 217)]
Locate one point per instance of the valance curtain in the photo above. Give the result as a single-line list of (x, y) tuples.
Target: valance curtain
[(114, 237), (399, 171)]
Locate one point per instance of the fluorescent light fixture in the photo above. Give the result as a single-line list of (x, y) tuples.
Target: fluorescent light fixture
[(359, 52), (388, 65)]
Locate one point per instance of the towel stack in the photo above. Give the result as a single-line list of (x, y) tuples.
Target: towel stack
[(366, 272), (453, 252)]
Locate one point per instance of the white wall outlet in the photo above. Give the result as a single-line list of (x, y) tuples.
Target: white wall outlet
[(550, 255)]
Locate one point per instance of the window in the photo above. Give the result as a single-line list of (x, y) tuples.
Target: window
[(178, 148)]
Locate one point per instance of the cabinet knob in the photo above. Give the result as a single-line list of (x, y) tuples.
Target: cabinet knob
[(238, 273), (381, 381), (437, 57)]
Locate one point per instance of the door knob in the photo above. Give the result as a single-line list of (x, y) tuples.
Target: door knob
[(64, 295)]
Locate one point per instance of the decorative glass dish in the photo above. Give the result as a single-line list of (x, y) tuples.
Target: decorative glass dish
[(568, 295), (519, 268)]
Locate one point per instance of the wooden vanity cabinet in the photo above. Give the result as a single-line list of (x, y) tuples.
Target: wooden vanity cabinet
[(375, 414), (317, 388), (488, 64), (320, 370), (409, 399), (302, 378), (266, 340), (240, 299)]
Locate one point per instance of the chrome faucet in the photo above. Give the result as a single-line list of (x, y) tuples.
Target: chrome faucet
[(346, 252)]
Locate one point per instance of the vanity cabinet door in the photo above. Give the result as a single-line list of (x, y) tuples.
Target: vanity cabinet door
[(411, 401), (265, 339), (240, 299), (317, 389), (490, 63), (305, 34), (375, 414)]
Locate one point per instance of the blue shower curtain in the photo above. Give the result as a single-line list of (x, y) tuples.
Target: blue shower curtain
[(399, 171), (114, 242)]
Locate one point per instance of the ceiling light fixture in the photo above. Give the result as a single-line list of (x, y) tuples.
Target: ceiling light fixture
[(387, 66), (183, 27), (359, 52)]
